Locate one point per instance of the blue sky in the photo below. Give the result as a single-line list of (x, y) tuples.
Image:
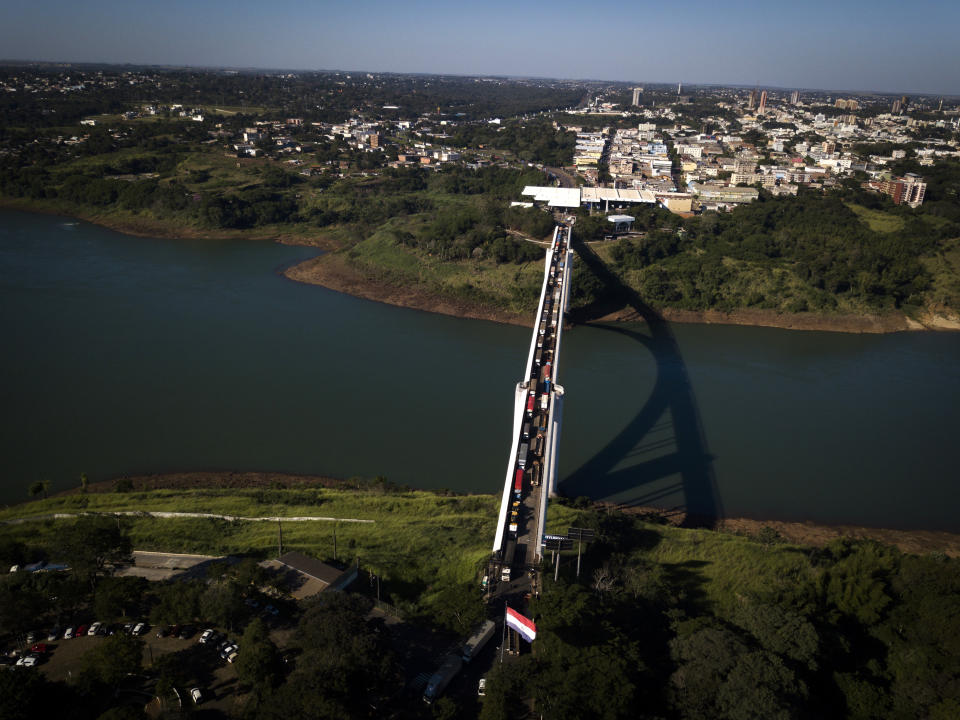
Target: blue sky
[(839, 45)]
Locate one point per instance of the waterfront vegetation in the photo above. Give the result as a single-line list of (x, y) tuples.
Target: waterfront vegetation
[(820, 253), (685, 623), (451, 232)]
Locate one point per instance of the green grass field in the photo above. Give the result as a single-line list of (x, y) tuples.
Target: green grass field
[(877, 220), (509, 286), (419, 542)]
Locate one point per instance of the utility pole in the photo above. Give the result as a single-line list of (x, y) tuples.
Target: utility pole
[(579, 543), (582, 535), (279, 538), (334, 542)]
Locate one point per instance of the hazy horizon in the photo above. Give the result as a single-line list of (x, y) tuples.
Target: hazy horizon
[(851, 47)]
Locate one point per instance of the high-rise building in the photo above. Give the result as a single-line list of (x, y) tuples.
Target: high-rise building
[(752, 102), (763, 102), (679, 88), (795, 97), (637, 95), (940, 106), (909, 189), (897, 106), (914, 188)]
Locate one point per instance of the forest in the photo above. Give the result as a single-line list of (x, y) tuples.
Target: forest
[(314, 96), (662, 622), (738, 628), (811, 252), (530, 141)]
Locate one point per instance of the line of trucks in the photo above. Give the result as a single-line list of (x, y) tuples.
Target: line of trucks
[(551, 309), (452, 664), (536, 408)]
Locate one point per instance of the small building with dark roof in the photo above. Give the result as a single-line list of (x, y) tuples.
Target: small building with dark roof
[(308, 576)]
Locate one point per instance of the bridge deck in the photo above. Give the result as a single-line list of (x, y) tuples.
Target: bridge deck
[(538, 406)]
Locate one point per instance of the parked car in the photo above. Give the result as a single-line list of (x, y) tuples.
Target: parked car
[(163, 631), (186, 632), (482, 687), (232, 656), (196, 695), (68, 633), (27, 661), (227, 650), (32, 637), (82, 630), (128, 628), (39, 648), (140, 629), (95, 628), (53, 635), (207, 635)]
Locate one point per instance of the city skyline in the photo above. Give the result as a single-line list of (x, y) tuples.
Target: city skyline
[(854, 48)]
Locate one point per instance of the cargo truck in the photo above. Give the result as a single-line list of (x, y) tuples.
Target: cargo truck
[(478, 640), (508, 560), (441, 678)]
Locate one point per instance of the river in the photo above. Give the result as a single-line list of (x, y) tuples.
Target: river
[(130, 355)]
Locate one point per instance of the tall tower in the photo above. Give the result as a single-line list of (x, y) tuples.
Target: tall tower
[(763, 102), (679, 89), (795, 97), (752, 102), (637, 95)]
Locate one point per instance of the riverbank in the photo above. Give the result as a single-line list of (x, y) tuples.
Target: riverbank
[(917, 542), (140, 225), (333, 272)]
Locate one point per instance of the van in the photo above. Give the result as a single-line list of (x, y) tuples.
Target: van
[(526, 430)]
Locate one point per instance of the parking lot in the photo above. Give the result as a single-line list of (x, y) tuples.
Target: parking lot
[(216, 678)]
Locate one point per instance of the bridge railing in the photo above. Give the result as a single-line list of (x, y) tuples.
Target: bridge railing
[(521, 393)]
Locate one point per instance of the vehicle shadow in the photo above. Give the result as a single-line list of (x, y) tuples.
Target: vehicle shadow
[(645, 460)]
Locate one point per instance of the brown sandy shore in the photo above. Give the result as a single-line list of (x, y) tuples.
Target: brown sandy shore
[(918, 542), (333, 272)]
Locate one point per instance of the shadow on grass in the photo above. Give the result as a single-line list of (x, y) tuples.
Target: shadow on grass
[(617, 469)]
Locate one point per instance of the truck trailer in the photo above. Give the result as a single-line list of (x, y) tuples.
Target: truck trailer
[(478, 640), (441, 678)]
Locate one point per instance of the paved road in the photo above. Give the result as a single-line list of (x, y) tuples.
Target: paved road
[(566, 179), (164, 514)]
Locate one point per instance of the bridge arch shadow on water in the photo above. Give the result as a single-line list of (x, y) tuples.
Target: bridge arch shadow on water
[(642, 462)]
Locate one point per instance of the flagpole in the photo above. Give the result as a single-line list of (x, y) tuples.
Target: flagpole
[(503, 640)]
